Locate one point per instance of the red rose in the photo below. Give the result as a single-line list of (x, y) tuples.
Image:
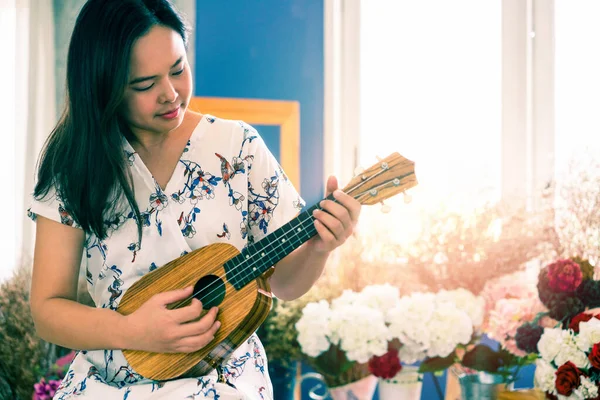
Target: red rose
[(564, 276), (581, 317), (567, 378), (594, 356), (386, 366)]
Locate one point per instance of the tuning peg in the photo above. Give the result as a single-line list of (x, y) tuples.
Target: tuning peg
[(407, 198), (385, 208)]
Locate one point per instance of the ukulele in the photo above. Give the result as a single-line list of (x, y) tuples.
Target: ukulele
[(235, 282)]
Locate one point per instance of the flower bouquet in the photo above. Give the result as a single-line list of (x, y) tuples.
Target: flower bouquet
[(367, 333), (568, 363), (340, 338), (511, 301)]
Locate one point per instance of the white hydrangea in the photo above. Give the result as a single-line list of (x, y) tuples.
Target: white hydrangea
[(570, 352), (360, 331), (589, 334), (586, 390), (544, 376), (473, 305), (348, 298), (355, 322), (449, 326), (427, 327), (313, 328), (551, 342), (381, 297)]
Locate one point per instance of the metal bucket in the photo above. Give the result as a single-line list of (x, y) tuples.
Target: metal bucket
[(482, 386)]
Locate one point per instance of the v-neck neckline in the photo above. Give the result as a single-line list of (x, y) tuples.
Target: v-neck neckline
[(174, 179)]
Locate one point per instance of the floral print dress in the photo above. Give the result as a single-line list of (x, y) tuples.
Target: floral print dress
[(227, 187)]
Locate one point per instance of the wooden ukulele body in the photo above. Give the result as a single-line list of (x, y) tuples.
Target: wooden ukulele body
[(241, 312)]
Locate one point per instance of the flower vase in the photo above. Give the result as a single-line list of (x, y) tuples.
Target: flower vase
[(406, 385), (359, 390), (482, 386)]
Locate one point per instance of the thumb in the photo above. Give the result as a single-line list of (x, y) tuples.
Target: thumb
[(172, 296), (332, 184)]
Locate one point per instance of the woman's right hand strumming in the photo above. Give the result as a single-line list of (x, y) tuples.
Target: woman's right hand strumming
[(155, 328)]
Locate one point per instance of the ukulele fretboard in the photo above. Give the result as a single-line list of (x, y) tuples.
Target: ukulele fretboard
[(258, 257)]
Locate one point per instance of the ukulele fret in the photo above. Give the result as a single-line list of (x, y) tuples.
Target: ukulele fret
[(258, 257)]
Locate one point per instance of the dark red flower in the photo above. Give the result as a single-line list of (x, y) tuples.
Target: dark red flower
[(567, 378), (594, 356), (386, 366), (564, 275), (581, 317)]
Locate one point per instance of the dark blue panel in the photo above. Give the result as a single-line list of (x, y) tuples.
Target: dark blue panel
[(271, 136), (268, 49)]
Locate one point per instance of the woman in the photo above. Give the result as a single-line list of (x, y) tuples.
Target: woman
[(133, 179)]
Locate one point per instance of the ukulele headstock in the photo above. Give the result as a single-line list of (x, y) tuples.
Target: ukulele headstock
[(388, 177)]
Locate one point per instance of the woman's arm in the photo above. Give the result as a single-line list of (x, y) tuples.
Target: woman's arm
[(60, 319), (57, 316), (295, 274)]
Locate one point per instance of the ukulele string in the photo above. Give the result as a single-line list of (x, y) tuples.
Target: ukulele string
[(217, 282), (310, 217)]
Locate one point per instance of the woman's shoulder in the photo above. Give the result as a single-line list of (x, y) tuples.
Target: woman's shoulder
[(232, 131)]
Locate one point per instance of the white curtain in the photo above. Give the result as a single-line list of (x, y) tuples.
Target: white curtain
[(27, 32)]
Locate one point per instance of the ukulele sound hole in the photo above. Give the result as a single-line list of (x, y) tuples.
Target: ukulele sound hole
[(210, 290)]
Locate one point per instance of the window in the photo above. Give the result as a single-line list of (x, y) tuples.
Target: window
[(491, 99), (430, 85), (577, 81)]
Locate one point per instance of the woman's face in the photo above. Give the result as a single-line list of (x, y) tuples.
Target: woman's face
[(160, 82)]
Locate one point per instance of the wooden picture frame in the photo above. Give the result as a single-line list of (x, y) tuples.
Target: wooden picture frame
[(282, 113)]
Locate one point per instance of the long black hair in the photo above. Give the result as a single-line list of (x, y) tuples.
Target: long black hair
[(82, 159)]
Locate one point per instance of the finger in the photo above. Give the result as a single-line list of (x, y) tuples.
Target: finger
[(350, 203), (172, 296), (199, 327), (332, 184), (333, 225), (195, 343), (323, 232), (187, 313), (338, 211)]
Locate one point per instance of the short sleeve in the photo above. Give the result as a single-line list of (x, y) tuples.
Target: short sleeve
[(272, 198), (52, 208)]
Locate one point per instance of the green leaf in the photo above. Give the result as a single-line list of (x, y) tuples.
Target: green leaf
[(346, 366), (437, 364)]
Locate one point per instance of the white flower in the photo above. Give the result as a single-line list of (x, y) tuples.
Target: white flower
[(587, 389), (360, 332), (473, 305), (381, 297), (449, 326), (570, 352), (347, 298), (428, 328), (551, 342), (544, 377), (313, 328), (589, 334)]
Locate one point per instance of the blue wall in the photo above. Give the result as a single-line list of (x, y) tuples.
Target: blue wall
[(267, 49)]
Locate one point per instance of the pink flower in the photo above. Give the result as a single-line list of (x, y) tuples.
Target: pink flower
[(45, 390), (511, 286), (66, 359), (564, 275), (507, 316)]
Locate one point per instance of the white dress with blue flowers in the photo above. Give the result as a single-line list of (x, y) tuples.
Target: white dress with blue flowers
[(227, 187)]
